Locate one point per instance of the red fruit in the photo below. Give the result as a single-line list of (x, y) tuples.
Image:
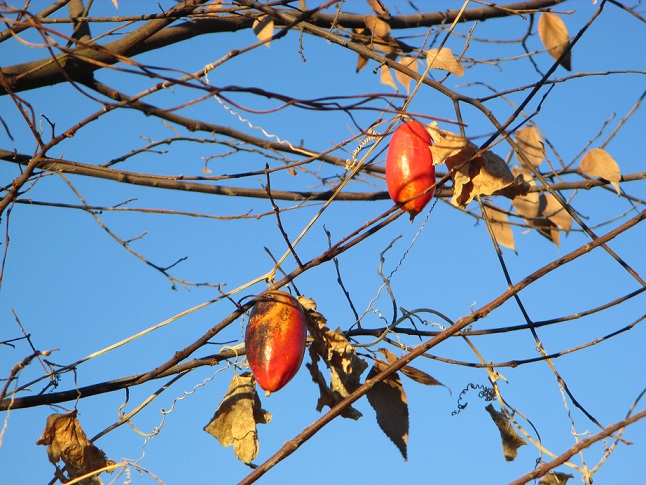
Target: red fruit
[(275, 339), (409, 167)]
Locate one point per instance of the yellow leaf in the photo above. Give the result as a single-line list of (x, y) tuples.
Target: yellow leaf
[(386, 77), (448, 147), (527, 205), (598, 163), (500, 228), (530, 143), (511, 440), (444, 60), (378, 27), (66, 441), (389, 401), (410, 63), (263, 27), (555, 38), (235, 419)]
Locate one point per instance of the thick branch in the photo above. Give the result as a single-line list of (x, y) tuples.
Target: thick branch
[(157, 34)]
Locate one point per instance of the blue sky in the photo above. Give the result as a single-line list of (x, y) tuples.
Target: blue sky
[(75, 289)]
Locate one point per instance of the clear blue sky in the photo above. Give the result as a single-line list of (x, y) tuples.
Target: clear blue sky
[(77, 290)]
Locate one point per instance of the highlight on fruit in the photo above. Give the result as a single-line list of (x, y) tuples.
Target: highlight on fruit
[(409, 168), (275, 339)]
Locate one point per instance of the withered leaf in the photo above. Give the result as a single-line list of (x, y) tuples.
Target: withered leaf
[(263, 27), (483, 175), (511, 440), (598, 163), (66, 441), (555, 212), (444, 60), (500, 228), (527, 205), (555, 38), (340, 357), (411, 372), (389, 401), (379, 8), (530, 143), (387, 78), (378, 27), (555, 478), (404, 80), (448, 147), (235, 419)]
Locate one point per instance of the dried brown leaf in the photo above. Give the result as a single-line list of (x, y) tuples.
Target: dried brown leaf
[(555, 478), (444, 60), (410, 63), (483, 175), (379, 8), (530, 143), (66, 441), (555, 37), (389, 401), (448, 147), (340, 357), (500, 228), (378, 27), (263, 27), (555, 212), (598, 163), (361, 62), (235, 419), (527, 205), (387, 78), (511, 440), (412, 372)]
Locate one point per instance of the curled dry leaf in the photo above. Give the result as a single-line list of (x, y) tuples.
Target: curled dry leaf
[(66, 441), (555, 212), (449, 148), (235, 419), (263, 27), (411, 372), (410, 63), (530, 143), (340, 357), (359, 35), (598, 163), (500, 228), (379, 8), (511, 440), (555, 478), (378, 27), (444, 60), (526, 205), (555, 38), (388, 399)]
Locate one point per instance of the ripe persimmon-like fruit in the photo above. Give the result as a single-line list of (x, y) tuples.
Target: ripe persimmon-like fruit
[(409, 167), (275, 339)]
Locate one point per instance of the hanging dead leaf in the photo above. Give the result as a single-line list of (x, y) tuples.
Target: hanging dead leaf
[(526, 205), (531, 145), (444, 60), (511, 440), (500, 228), (387, 78), (389, 401), (555, 38), (66, 441), (340, 357), (483, 175), (378, 27), (404, 80), (263, 27), (555, 212), (598, 163), (411, 372), (379, 8), (555, 478), (235, 419), (448, 147)]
